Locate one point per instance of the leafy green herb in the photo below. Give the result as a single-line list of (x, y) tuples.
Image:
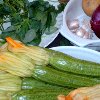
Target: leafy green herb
[(29, 20), (1, 2)]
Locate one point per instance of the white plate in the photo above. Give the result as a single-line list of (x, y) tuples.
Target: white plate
[(74, 10), (79, 52)]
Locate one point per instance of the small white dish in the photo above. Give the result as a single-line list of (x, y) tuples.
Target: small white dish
[(74, 10), (79, 52)]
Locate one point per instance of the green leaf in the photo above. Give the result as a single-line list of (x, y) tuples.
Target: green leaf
[(1, 2), (49, 19), (29, 36), (7, 8), (41, 8), (44, 19), (8, 34), (54, 15), (35, 42), (39, 15), (9, 29), (34, 24), (51, 30), (31, 13), (23, 29), (15, 18), (61, 7)]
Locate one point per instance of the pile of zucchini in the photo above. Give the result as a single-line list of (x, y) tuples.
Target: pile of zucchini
[(37, 73)]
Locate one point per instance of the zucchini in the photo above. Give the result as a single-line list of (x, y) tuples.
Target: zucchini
[(38, 94), (31, 83), (56, 77), (67, 63)]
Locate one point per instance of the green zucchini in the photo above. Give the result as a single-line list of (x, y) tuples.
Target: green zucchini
[(56, 77), (38, 94), (31, 83), (67, 63)]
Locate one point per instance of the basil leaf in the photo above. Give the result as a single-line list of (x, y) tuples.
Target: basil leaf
[(35, 42), (23, 29), (29, 36), (51, 30), (34, 24), (1, 2), (9, 29)]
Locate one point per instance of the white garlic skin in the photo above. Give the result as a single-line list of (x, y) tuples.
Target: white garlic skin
[(80, 32), (86, 25), (73, 24), (87, 28), (86, 35), (74, 30)]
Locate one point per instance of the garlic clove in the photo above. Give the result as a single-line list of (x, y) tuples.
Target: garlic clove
[(73, 24), (80, 32), (74, 30), (86, 35), (86, 25)]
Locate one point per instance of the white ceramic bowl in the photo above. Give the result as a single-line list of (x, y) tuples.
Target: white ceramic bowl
[(79, 52), (74, 10)]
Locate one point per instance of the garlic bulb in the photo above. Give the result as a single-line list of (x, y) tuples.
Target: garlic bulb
[(81, 28)]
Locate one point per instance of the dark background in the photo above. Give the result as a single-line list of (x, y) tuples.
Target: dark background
[(59, 41)]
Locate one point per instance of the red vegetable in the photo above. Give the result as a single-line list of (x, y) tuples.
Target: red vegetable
[(95, 21)]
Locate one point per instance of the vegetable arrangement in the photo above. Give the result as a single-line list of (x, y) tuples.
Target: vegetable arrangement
[(29, 20), (34, 73), (42, 73)]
